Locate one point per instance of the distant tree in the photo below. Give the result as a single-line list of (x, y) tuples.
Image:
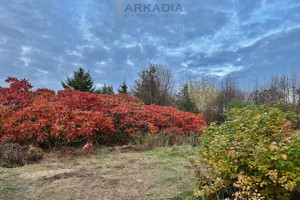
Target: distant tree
[(229, 92), (270, 95), (238, 104), (280, 88), (203, 93), (81, 80), (106, 89), (184, 101), (123, 88), (253, 97), (298, 94), (154, 85)]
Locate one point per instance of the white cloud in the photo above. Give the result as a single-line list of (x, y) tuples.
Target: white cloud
[(223, 71), (99, 85), (25, 50), (74, 53), (42, 71), (129, 62), (215, 70)]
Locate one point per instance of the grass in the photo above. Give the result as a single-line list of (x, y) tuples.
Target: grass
[(161, 173), (10, 189), (9, 192)]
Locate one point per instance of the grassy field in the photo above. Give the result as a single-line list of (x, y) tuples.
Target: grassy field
[(161, 173)]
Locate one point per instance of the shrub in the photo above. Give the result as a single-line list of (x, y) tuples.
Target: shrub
[(14, 155), (238, 103), (253, 155), (44, 117), (290, 109), (17, 95)]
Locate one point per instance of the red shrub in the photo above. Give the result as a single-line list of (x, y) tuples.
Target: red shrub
[(17, 95), (42, 116)]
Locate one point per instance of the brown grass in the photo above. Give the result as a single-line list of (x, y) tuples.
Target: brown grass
[(14, 155), (162, 173)]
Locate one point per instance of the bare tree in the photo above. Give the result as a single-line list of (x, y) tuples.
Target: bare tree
[(294, 86), (279, 89), (229, 91), (166, 84)]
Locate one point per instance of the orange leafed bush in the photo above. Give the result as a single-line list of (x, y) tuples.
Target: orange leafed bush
[(43, 116)]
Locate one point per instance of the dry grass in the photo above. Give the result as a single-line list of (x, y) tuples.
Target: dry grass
[(161, 173), (14, 155)]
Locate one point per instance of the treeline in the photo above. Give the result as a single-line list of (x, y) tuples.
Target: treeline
[(155, 85)]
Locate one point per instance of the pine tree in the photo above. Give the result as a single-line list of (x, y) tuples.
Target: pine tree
[(154, 85), (106, 89), (81, 80), (184, 101), (123, 88)]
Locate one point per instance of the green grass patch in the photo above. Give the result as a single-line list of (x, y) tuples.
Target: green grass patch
[(10, 189)]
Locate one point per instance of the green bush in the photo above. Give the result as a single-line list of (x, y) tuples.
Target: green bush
[(291, 111), (238, 103), (294, 118), (253, 155)]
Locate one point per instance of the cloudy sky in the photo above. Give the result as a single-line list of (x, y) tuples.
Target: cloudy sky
[(45, 41)]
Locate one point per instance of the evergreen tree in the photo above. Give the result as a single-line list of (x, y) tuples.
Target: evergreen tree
[(123, 88), (81, 80), (154, 85), (106, 89), (184, 101)]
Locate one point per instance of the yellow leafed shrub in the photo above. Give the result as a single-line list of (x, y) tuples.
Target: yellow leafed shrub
[(255, 154)]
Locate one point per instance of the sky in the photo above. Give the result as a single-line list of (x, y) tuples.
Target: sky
[(45, 41)]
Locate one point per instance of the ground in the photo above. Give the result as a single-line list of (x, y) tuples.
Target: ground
[(161, 173)]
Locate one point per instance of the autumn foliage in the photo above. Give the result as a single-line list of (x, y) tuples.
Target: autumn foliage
[(42, 116), (255, 154)]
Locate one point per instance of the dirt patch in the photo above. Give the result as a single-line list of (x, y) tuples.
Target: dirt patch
[(122, 166), (70, 152), (59, 176), (81, 173), (15, 155), (66, 154), (128, 148)]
